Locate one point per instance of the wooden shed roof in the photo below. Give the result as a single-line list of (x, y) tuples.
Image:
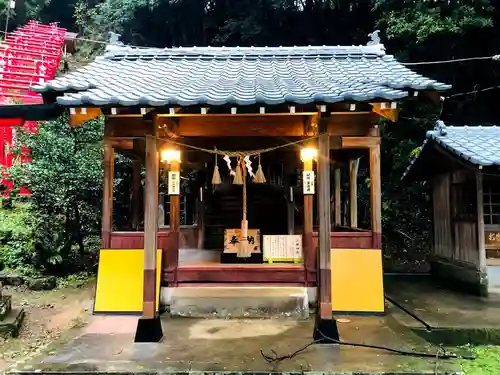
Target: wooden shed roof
[(475, 145)]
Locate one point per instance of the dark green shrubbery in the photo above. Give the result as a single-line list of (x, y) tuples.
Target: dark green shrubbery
[(56, 229), (16, 237)]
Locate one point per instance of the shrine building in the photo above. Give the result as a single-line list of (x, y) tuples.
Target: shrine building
[(251, 159)]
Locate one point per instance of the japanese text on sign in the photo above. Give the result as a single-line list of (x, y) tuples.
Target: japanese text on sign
[(233, 241), (174, 183), (492, 240), (308, 182)]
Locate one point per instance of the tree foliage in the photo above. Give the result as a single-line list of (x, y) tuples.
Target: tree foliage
[(65, 178), (68, 183)]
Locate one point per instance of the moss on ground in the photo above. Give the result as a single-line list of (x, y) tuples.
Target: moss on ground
[(487, 361)]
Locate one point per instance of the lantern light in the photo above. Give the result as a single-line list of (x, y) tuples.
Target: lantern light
[(308, 154), (170, 155)]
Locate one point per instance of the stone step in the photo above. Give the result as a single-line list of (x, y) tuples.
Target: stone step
[(10, 326), (239, 302), (5, 306)]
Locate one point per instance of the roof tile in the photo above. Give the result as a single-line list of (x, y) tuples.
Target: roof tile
[(238, 76), (478, 144)]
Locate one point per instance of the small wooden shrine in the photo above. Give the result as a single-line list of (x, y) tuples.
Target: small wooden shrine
[(461, 164), (268, 134)]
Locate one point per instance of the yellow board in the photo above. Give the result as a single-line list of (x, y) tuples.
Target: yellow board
[(357, 281), (120, 279)]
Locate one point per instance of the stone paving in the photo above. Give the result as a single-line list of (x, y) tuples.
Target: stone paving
[(455, 318), (233, 346)]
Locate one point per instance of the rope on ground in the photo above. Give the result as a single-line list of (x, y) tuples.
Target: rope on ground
[(440, 353)]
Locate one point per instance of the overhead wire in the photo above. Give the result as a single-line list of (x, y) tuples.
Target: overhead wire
[(432, 62), (493, 57), (473, 92)]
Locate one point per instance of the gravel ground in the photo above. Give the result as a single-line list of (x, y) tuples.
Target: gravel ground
[(48, 316)]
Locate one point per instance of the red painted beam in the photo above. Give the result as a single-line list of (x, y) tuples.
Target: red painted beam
[(8, 122)]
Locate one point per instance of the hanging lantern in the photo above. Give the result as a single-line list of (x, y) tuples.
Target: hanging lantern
[(308, 154), (170, 155)]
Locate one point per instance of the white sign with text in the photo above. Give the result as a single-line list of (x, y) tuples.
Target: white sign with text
[(308, 182), (174, 183)]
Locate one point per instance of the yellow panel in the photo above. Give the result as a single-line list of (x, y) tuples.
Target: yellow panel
[(120, 279), (357, 280)]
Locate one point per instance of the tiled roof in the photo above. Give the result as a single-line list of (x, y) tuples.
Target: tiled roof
[(214, 76), (479, 145)]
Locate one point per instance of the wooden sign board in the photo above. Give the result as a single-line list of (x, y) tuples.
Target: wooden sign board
[(308, 182), (232, 240), (174, 183), (492, 239), (282, 248)]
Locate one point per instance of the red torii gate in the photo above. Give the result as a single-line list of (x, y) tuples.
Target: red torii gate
[(29, 55)]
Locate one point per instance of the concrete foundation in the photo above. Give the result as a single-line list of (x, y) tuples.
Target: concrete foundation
[(460, 276), (493, 279), (456, 318)]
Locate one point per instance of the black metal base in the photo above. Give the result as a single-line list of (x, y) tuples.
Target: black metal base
[(325, 331), (149, 330), (233, 258)]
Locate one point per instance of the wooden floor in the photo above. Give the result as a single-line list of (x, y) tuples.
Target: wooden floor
[(203, 267)]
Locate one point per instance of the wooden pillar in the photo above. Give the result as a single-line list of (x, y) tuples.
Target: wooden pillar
[(135, 195), (338, 198), (480, 222), (175, 203), (175, 221), (324, 249), (375, 197), (150, 228), (107, 201), (290, 211), (201, 219), (353, 192), (161, 209)]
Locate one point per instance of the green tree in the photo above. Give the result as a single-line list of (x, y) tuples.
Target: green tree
[(418, 30), (65, 178), (413, 30), (23, 11)]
